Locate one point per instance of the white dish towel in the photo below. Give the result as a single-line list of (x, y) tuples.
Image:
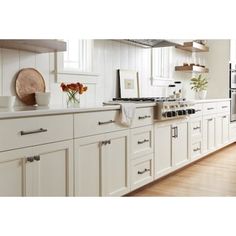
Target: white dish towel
[(127, 113)]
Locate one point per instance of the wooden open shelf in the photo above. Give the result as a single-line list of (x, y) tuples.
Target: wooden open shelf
[(34, 45), (191, 69), (193, 47)]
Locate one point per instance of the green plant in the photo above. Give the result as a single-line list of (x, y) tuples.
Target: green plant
[(199, 83)]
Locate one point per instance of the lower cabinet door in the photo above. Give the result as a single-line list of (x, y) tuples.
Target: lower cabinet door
[(11, 175), (115, 164), (163, 158), (51, 171), (225, 128), (180, 144), (87, 166), (44, 170)]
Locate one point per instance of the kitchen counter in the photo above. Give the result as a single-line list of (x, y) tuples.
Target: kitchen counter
[(211, 100), (27, 111)]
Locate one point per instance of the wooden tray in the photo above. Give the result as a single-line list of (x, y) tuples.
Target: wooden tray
[(29, 81)]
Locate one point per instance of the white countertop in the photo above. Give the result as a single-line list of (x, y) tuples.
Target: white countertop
[(27, 111), (211, 100)]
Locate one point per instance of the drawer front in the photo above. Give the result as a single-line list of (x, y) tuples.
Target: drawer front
[(86, 124), (224, 107), (32, 131), (143, 116), (198, 110), (196, 149), (142, 172), (210, 108), (196, 129), (142, 141)]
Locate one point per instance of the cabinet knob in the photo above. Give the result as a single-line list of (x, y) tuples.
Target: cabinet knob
[(37, 158), (30, 159)]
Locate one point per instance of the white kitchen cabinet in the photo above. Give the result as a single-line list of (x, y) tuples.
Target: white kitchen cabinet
[(11, 175), (102, 165), (180, 144), (45, 170), (208, 133), (221, 130), (171, 148), (163, 158)]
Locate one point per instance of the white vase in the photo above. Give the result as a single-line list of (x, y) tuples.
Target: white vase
[(201, 94)]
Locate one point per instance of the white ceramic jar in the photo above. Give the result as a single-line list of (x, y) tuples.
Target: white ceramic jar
[(43, 98)]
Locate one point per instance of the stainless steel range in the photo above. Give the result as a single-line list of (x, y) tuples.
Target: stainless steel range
[(166, 108)]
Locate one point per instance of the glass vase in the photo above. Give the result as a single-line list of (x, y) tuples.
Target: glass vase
[(73, 99)]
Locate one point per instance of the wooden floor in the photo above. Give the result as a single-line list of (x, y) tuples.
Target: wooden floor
[(214, 175)]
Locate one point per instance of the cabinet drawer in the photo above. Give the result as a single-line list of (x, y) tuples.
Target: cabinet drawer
[(143, 116), (224, 107), (142, 141), (196, 128), (198, 110), (196, 149), (91, 123), (209, 108), (142, 172), (32, 131)]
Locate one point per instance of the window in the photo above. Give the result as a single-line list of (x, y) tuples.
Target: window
[(161, 66), (76, 63), (77, 58)]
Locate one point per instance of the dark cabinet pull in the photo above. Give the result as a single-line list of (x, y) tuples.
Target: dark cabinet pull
[(30, 159), (210, 108), (105, 122), (224, 107), (197, 127), (211, 119), (143, 141), (37, 158), (41, 130), (143, 117), (224, 117), (106, 142), (196, 149), (198, 110), (142, 172)]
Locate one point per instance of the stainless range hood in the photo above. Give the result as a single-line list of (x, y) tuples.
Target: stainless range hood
[(152, 43)]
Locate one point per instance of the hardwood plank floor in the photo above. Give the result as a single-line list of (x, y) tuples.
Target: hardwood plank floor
[(214, 175)]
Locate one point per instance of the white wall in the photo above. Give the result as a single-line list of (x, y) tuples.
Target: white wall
[(109, 56), (218, 63)]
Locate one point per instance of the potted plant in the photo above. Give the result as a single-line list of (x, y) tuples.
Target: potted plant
[(199, 85)]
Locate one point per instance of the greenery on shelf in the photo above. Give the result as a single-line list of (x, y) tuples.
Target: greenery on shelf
[(199, 83)]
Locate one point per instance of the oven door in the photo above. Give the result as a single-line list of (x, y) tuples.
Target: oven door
[(232, 75), (233, 105)]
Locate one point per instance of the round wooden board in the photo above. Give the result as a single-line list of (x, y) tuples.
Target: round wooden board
[(29, 81)]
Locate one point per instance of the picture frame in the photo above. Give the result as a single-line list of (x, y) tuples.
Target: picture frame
[(128, 83)]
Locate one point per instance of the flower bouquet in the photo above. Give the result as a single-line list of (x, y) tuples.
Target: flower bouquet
[(73, 91)]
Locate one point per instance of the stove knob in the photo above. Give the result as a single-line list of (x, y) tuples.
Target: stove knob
[(193, 111), (184, 112), (174, 113), (180, 112), (189, 111), (167, 114)]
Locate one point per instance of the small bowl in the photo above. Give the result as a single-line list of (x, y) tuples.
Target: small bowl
[(43, 98), (7, 101)]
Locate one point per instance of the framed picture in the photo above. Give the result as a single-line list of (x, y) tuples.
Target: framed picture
[(129, 85)]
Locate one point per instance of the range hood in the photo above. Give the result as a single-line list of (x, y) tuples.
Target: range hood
[(153, 43)]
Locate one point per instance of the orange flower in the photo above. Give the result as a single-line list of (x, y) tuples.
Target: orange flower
[(74, 87)]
